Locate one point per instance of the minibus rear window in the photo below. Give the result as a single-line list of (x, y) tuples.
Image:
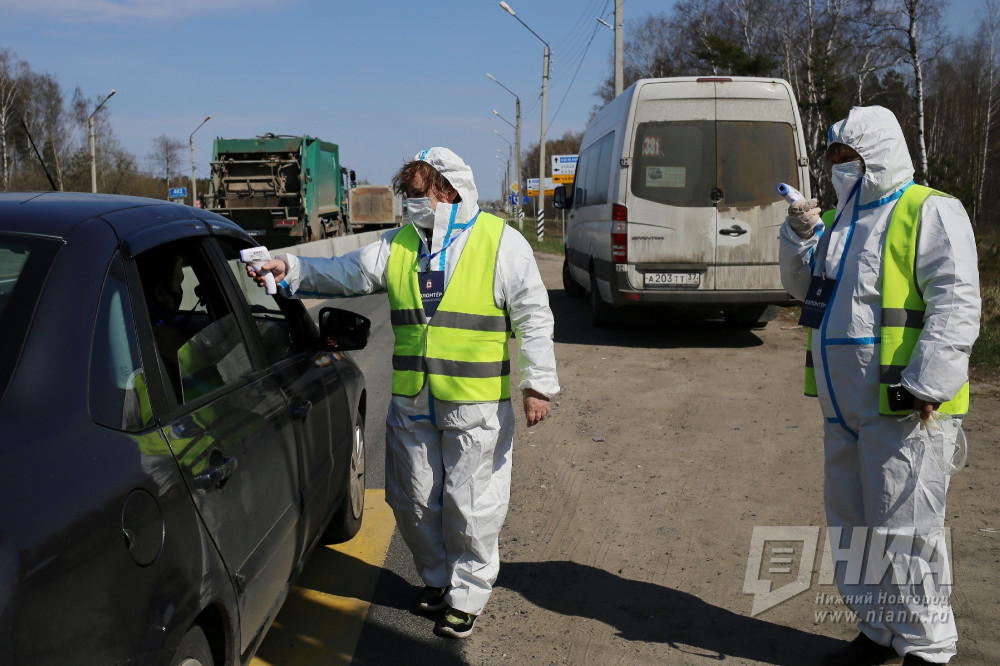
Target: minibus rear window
[(680, 163)]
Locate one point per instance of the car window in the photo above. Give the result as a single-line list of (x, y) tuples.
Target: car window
[(673, 162), (582, 168), (599, 194), (769, 150), (196, 332), (118, 396), (281, 335), (679, 163), (24, 263)]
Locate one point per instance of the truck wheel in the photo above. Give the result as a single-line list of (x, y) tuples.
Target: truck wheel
[(572, 288), (601, 314), (347, 521)]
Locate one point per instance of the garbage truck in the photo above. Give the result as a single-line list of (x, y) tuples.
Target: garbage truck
[(284, 190)]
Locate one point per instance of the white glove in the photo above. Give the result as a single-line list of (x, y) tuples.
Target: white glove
[(803, 216)]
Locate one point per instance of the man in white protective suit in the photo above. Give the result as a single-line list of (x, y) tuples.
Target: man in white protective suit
[(890, 290), (459, 282)]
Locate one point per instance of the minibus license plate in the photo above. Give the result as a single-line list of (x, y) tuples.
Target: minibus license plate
[(671, 279)]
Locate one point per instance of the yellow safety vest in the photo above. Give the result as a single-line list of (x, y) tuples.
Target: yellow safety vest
[(902, 305), (462, 353)]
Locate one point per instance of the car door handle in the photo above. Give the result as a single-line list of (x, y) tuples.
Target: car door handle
[(216, 476), (301, 410), (734, 230)]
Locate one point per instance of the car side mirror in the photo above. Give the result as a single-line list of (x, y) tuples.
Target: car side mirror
[(560, 199), (343, 330)]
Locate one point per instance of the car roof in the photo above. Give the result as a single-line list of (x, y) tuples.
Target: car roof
[(56, 213)]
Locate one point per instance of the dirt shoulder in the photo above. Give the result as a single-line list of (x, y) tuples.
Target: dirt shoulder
[(633, 505)]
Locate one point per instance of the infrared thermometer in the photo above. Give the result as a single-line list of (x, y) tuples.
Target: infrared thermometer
[(790, 193), (256, 256)]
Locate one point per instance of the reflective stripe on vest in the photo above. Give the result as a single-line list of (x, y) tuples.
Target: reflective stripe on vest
[(463, 351), (902, 305)]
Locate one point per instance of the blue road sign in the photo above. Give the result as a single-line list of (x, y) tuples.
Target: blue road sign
[(178, 192)]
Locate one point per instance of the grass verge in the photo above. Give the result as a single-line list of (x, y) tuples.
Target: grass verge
[(551, 243)]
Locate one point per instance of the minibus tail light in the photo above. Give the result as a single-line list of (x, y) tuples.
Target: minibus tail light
[(619, 235)]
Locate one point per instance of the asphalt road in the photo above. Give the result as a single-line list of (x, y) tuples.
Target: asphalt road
[(393, 632)]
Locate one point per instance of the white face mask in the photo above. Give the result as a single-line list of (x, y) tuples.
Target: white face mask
[(420, 212), (844, 176)]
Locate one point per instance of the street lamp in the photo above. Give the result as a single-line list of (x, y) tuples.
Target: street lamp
[(510, 161), (93, 156), (194, 185), (541, 144), (517, 148)]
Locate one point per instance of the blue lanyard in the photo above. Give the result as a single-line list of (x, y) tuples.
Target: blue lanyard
[(448, 242)]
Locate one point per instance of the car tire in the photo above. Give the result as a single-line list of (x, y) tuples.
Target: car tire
[(601, 314), (347, 521), (572, 288), (194, 650)]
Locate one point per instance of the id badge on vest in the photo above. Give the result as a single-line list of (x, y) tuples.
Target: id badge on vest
[(431, 290), (817, 298)]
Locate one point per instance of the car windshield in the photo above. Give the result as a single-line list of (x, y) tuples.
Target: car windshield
[(24, 263)]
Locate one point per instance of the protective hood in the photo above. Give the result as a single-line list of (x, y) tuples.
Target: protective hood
[(459, 174), (875, 134)]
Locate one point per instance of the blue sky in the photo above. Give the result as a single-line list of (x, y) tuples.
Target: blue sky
[(381, 78)]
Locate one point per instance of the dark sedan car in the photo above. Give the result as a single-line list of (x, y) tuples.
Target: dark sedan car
[(173, 441)]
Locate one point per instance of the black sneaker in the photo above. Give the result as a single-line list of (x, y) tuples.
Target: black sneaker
[(432, 599), (455, 624), (862, 651)]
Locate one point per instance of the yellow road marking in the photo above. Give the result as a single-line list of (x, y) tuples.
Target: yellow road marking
[(322, 619)]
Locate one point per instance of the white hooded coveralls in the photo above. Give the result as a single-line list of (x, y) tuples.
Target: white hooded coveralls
[(448, 464), (876, 477)]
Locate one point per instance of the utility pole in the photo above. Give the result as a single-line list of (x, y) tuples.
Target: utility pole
[(194, 185), (619, 47), (93, 153)]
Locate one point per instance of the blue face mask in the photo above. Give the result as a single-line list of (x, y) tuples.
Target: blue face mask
[(845, 176)]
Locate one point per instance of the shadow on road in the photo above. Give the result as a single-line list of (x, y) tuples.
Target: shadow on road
[(647, 327), (647, 612), (381, 644)]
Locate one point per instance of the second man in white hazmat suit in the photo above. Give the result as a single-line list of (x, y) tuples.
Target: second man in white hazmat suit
[(890, 289), (460, 281)]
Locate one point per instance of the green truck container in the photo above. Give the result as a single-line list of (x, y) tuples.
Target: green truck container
[(284, 190)]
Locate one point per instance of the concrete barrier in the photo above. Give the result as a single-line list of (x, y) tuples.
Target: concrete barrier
[(331, 247)]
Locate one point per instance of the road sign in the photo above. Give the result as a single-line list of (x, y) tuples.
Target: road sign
[(178, 192), (563, 177), (533, 187), (564, 165)]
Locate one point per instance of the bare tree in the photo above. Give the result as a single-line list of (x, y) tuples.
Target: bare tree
[(989, 34), (47, 122), (920, 37), (9, 80), (165, 157)]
